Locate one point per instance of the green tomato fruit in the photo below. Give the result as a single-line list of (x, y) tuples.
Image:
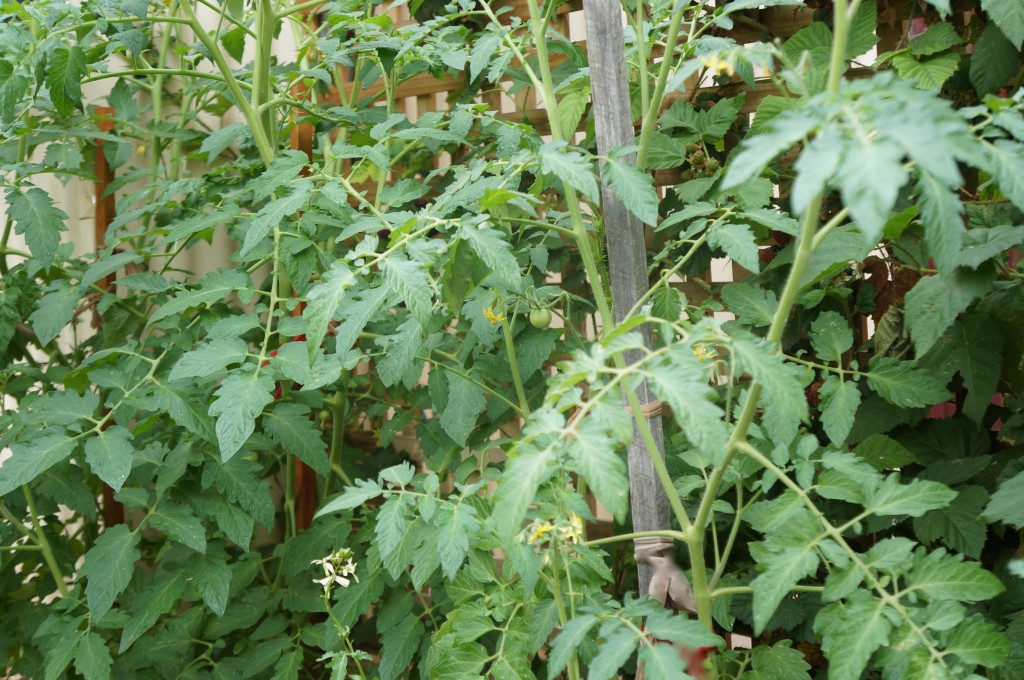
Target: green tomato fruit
[(540, 318), (323, 415)]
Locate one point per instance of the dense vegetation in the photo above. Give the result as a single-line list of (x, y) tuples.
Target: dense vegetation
[(820, 504)]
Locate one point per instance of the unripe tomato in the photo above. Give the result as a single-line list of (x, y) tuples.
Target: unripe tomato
[(540, 318), (323, 415)]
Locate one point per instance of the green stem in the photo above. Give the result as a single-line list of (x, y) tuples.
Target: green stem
[(44, 544), (513, 364), (262, 142), (667, 533), (265, 23), (651, 115), (301, 7)]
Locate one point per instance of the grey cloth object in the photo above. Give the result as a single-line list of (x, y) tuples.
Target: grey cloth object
[(669, 585)]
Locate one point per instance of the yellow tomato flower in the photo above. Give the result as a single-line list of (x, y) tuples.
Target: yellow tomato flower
[(492, 316), (539, 531), (573, 531), (704, 352), (717, 65)]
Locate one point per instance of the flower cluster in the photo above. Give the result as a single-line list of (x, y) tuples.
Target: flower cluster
[(339, 569), (570, 531)]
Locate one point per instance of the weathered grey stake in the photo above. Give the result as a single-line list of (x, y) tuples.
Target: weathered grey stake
[(627, 254)]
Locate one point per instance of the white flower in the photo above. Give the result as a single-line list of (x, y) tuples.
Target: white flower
[(339, 570)]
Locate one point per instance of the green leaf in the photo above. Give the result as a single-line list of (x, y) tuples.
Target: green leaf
[(33, 458), (402, 191), (570, 167), (862, 30), (289, 666), (754, 305), (662, 662), (391, 525), (942, 217), (569, 639), (211, 577), (571, 108), (670, 627), (93, 659), (517, 488), (155, 600), (217, 141), (239, 401), (1005, 505), (201, 221), (108, 567), (64, 76), (840, 400), (322, 304), (785, 404), (55, 311), (292, 360), (900, 384), (272, 215), (599, 462), (938, 37), (914, 499), (108, 265), (483, 50), (850, 632), (941, 576), (780, 663), (757, 151), (1007, 165), (666, 152), (785, 561), (983, 244), (928, 73), (870, 177), (290, 426), (400, 354), (977, 642), (613, 652), (994, 61), (831, 336), (682, 383), (179, 524), (213, 288), (494, 250), (409, 280), (738, 242), (1008, 16), (38, 220), (238, 481), (281, 170), (958, 525), (209, 358), (399, 647), (465, 402), (884, 453), (448, 661), (353, 497), (935, 302), (634, 187), (456, 523), (110, 454)]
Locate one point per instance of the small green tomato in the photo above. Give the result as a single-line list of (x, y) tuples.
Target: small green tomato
[(540, 318)]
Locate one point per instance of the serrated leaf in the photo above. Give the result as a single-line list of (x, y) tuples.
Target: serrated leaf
[(884, 453), (1007, 164), (238, 482), (571, 108), (599, 462), (977, 642), (409, 280), (292, 360), (281, 170), (738, 242), (666, 152), (217, 141), (839, 402), (662, 662), (54, 311), (322, 304), (272, 215), (108, 567), (209, 358), (211, 577), (754, 305), (914, 499), (240, 400), (634, 187), (994, 61), (353, 497), (757, 151), (399, 647), (456, 523), (1005, 505), (480, 56), (493, 249), (213, 288), (108, 265), (93, 660), (391, 525), (783, 396), (517, 488), (938, 37), (1008, 16), (785, 563), (928, 73), (289, 665), (935, 302), (179, 524), (983, 244), (201, 221), (941, 576), (32, 458), (64, 75), (780, 663), (290, 426), (155, 600), (570, 167), (613, 652), (850, 632), (465, 402), (109, 455), (900, 384), (831, 336), (958, 525), (870, 177), (942, 217), (682, 383)]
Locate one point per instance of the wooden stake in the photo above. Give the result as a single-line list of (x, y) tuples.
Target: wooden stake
[(627, 254)]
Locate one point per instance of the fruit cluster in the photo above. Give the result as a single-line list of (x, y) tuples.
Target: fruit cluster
[(700, 163)]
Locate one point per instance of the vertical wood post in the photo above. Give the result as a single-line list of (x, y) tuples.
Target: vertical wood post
[(113, 512), (627, 254)]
